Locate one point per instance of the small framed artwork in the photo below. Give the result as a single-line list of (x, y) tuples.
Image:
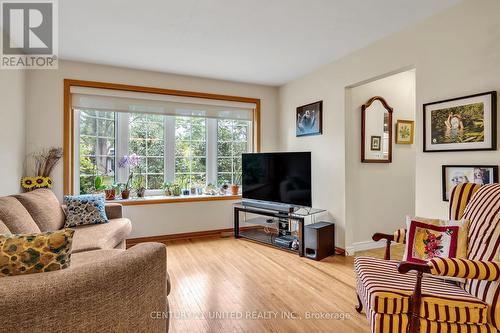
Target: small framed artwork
[(309, 119), (457, 174), (375, 142), (405, 131), (459, 124)]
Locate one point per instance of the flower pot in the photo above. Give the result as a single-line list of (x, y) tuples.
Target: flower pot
[(140, 192), (235, 189), (110, 194), (125, 194), (186, 192)]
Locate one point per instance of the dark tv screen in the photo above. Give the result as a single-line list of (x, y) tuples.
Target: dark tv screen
[(278, 177)]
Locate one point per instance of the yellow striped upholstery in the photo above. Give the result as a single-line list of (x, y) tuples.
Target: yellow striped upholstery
[(465, 268), (383, 290), (384, 323), (400, 236), (459, 198), (483, 212)]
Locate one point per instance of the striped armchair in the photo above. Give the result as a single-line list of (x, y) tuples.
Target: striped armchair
[(402, 297)]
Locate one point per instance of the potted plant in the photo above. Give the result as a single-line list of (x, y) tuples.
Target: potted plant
[(110, 192), (138, 184), (235, 187), (167, 187), (176, 190), (130, 162), (99, 185)]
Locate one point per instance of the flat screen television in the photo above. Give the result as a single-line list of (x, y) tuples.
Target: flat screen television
[(283, 178)]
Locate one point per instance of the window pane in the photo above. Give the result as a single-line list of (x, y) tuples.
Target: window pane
[(199, 148), (155, 147), (224, 165), (137, 146), (181, 165), (106, 128), (154, 182), (146, 139), (232, 141), (97, 148), (190, 151), (224, 178), (198, 164), (155, 165)]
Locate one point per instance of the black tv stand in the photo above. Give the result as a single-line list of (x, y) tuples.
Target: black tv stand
[(273, 227)]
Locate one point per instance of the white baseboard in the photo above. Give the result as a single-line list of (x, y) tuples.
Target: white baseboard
[(363, 246)]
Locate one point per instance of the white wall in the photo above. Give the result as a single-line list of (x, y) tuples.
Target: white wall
[(379, 195), (44, 128), (12, 130), (455, 53)]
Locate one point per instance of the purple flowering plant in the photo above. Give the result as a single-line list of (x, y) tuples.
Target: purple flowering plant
[(131, 161)]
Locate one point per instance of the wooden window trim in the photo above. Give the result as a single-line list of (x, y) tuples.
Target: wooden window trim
[(68, 118)]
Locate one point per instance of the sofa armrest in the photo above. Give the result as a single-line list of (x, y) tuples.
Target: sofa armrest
[(113, 210), (125, 293)]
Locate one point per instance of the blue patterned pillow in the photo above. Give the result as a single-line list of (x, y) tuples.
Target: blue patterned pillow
[(84, 209)]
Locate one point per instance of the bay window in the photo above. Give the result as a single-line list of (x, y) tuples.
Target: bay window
[(189, 141)]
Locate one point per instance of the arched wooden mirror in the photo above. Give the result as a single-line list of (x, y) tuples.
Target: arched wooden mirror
[(376, 131)]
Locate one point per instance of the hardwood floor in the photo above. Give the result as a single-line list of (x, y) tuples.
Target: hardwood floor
[(255, 288)]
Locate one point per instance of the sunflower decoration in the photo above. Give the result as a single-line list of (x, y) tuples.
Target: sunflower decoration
[(27, 183), (41, 181)]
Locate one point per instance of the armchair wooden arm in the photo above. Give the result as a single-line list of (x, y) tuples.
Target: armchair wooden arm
[(388, 239), (416, 299)]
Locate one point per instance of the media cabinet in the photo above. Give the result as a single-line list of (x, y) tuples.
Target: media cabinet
[(267, 226)]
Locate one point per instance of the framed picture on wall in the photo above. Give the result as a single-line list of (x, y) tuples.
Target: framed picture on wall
[(309, 119), (375, 142), (457, 174), (404, 131), (459, 124)]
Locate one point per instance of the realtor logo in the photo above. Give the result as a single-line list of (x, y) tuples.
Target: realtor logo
[(29, 34)]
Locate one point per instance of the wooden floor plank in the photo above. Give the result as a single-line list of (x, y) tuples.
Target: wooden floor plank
[(234, 277)]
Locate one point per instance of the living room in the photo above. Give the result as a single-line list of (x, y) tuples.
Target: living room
[(201, 172)]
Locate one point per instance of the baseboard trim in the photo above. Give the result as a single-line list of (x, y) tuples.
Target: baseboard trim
[(363, 246), (186, 235), (228, 232)]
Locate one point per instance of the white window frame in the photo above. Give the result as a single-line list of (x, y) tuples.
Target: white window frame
[(122, 148)]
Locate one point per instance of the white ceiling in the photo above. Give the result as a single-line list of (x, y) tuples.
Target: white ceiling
[(258, 41)]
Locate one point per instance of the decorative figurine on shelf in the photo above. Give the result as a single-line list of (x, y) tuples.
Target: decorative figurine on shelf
[(41, 164)]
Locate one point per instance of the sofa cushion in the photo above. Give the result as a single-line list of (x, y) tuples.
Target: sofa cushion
[(101, 236), (35, 253), (89, 257), (3, 228), (384, 290), (44, 208), (16, 217)]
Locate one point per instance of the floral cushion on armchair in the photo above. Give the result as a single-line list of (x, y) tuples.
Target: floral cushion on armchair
[(85, 209), (430, 238)]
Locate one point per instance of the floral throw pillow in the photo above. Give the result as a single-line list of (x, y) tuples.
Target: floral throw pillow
[(84, 209), (35, 253), (430, 238)]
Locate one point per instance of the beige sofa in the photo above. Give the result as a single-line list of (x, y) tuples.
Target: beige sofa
[(106, 288)]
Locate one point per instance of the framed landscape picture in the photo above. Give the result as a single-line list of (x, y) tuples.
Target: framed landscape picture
[(309, 119), (465, 123), (457, 174), (405, 131)]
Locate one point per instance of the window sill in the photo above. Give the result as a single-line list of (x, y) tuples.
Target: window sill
[(161, 199)]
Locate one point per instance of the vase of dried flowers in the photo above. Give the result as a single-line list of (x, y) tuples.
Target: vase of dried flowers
[(41, 164)]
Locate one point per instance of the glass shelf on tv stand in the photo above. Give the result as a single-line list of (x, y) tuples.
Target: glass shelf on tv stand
[(299, 212)]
